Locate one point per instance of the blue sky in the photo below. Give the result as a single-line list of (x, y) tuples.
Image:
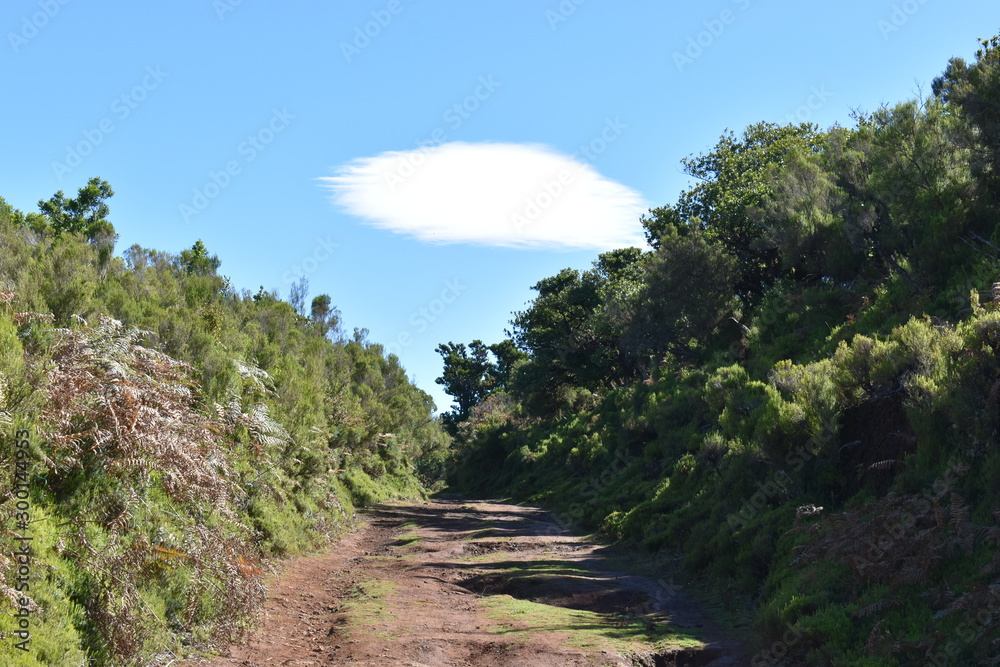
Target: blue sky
[(424, 163)]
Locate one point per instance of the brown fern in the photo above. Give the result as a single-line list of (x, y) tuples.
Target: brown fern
[(118, 410), (883, 465), (939, 515), (879, 641), (960, 524)]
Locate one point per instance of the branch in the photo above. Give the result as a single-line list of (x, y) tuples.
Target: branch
[(981, 252), (983, 241)]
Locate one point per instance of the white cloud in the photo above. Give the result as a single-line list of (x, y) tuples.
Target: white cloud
[(512, 195)]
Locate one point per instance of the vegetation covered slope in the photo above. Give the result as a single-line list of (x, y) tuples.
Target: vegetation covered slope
[(798, 385), (163, 436)]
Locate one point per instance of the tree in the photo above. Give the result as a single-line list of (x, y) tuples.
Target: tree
[(974, 90), (805, 219), (688, 290), (87, 214), (571, 331), (201, 281), (197, 261), (326, 316), (907, 191), (297, 295), (557, 320), (563, 336), (733, 183), (320, 308), (9, 214), (573, 325), (468, 376), (621, 264), (507, 357), (471, 375)]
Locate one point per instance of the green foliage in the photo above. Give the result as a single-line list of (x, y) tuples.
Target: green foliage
[(832, 454), (571, 333), (468, 375), (86, 214), (975, 92), (196, 260), (56, 618), (803, 219), (732, 183), (324, 315), (688, 288), (180, 444)]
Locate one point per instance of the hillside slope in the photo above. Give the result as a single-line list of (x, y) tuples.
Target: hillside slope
[(165, 436), (797, 387)]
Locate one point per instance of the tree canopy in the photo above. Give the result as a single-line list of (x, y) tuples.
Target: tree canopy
[(797, 383), (86, 214)]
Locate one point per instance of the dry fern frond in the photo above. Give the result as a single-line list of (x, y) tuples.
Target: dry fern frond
[(959, 512), (808, 510), (992, 566), (888, 464), (21, 319), (879, 641), (246, 568), (939, 515), (896, 541), (131, 414), (255, 423), (167, 553), (257, 377)]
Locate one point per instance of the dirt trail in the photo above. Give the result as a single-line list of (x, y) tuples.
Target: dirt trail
[(462, 583)]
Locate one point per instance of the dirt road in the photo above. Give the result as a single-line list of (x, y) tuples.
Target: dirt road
[(462, 583)]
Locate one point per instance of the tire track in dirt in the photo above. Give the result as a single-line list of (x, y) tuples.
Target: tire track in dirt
[(462, 583)]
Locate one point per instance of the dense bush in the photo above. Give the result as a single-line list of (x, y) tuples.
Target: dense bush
[(179, 434), (818, 431)]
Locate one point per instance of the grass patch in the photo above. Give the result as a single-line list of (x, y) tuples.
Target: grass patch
[(491, 557), (367, 605), (410, 537), (484, 533), (583, 629)]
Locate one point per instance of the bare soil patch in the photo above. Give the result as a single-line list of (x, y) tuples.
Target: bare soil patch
[(462, 583)]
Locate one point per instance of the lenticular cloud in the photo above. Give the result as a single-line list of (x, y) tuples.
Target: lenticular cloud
[(512, 195)]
